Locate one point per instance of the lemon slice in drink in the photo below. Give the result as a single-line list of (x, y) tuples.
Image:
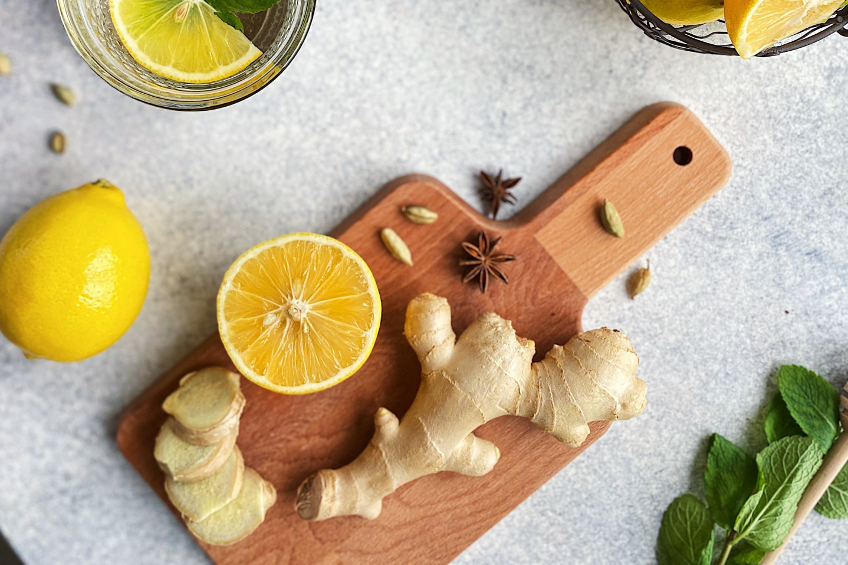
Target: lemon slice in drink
[(181, 40), (299, 313), (755, 25)]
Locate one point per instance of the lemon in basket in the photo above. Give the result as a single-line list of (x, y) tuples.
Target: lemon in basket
[(686, 12), (755, 25)]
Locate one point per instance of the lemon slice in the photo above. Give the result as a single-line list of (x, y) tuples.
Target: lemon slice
[(755, 25), (181, 40), (299, 313)]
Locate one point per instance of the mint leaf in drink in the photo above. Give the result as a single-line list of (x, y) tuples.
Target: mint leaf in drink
[(834, 501), (231, 20), (813, 403), (779, 422), (786, 466), (730, 478), (227, 9), (686, 534), (745, 554)]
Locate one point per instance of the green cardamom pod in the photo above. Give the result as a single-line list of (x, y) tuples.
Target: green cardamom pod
[(5, 65), (639, 281), (396, 246), (64, 94), (611, 220), (57, 142), (419, 214)]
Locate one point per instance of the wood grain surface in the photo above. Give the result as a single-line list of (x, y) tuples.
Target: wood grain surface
[(563, 258)]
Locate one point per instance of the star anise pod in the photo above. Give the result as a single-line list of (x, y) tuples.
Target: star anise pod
[(483, 261), (496, 190)]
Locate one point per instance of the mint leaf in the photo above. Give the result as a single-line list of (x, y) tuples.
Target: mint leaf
[(812, 401), (730, 478), (779, 422), (231, 20), (745, 554), (834, 501), (227, 9), (686, 534), (243, 6), (785, 467)]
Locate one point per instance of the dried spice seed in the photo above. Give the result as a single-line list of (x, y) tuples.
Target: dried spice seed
[(57, 142), (611, 220), (639, 281), (5, 65), (396, 246), (64, 94), (484, 262), (419, 214), (496, 190)]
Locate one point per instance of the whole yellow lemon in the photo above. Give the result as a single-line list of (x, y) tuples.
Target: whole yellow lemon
[(73, 274), (686, 12)]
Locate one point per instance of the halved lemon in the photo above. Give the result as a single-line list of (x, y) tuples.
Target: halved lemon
[(181, 39), (299, 313), (755, 25)]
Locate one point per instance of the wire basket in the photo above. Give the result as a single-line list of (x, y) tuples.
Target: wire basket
[(712, 38)]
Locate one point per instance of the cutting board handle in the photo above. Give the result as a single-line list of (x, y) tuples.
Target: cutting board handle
[(657, 170)]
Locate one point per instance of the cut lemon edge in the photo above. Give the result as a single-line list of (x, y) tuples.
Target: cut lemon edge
[(307, 388), (215, 32), (754, 26)]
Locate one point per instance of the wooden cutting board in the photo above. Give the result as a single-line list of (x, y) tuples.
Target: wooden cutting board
[(657, 169)]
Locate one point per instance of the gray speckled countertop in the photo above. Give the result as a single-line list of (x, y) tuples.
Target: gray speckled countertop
[(756, 278)]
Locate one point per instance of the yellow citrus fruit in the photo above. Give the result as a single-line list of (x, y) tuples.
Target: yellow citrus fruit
[(755, 25), (73, 274), (299, 313), (181, 39), (686, 12)]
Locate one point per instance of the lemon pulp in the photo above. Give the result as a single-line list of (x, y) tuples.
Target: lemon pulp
[(299, 313), (181, 40)]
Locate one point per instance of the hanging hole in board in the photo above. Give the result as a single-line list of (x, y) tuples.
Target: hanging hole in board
[(682, 155)]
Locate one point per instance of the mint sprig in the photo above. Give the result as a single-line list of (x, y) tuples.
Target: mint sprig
[(755, 502), (227, 9), (834, 502), (786, 467), (730, 477), (779, 422), (686, 534), (813, 403)]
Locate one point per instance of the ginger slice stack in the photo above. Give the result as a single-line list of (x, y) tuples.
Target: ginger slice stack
[(220, 499)]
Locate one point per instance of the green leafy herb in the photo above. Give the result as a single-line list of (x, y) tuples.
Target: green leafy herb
[(813, 403), (231, 20), (779, 422), (746, 554), (730, 478), (786, 467), (686, 534), (834, 502), (227, 9)]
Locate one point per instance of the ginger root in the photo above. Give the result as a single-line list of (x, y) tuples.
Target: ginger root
[(485, 374)]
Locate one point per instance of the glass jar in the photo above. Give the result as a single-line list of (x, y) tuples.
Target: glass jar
[(278, 33)]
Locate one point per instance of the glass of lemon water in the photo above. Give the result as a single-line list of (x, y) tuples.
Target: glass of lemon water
[(178, 54)]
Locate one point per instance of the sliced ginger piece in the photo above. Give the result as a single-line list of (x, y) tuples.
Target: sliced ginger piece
[(207, 405), (242, 516), (187, 462), (200, 499)]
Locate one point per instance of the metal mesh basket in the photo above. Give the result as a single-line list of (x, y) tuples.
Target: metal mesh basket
[(712, 38)]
